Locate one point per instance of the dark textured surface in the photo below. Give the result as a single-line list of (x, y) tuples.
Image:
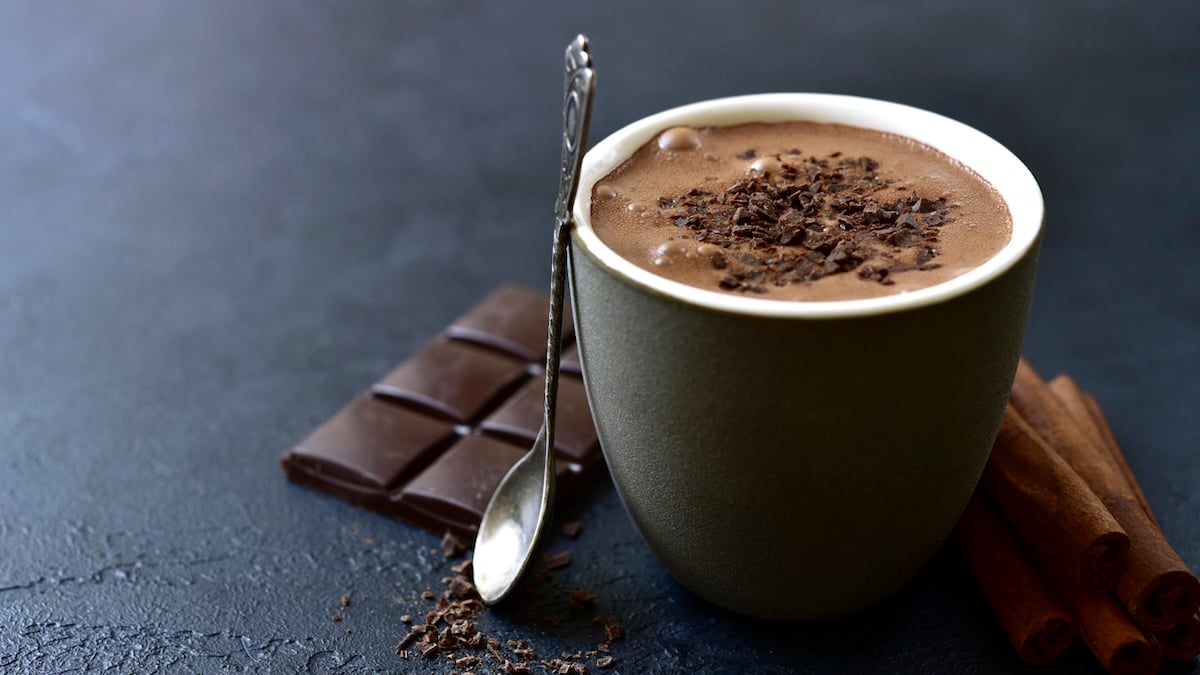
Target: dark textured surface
[(221, 220)]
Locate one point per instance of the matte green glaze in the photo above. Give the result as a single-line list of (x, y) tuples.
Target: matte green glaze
[(796, 468)]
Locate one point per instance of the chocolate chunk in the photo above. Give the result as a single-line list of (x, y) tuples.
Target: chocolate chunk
[(580, 600), (875, 273), (409, 639), (558, 560), (462, 589), (432, 440), (904, 238), (572, 529), (452, 546)]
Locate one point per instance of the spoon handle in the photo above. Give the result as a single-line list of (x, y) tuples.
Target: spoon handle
[(577, 112)]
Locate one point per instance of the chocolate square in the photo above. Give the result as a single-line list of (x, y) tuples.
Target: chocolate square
[(513, 320), (370, 444), (453, 380), (457, 487), (520, 418)]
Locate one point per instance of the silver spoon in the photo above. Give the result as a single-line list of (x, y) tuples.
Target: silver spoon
[(520, 507)]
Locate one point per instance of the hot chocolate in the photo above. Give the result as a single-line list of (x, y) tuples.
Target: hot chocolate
[(798, 211)]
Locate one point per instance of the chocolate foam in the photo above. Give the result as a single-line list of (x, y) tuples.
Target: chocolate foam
[(665, 210)]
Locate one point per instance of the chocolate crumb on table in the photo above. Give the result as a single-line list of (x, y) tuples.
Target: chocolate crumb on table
[(558, 560), (429, 443), (452, 546), (579, 600), (573, 529), (451, 632)]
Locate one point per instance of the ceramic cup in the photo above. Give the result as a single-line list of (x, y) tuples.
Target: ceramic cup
[(800, 460)]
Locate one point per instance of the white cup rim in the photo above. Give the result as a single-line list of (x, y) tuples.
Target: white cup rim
[(984, 155)]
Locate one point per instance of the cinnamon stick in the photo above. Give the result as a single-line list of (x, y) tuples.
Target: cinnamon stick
[(1182, 643), (1114, 450), (1087, 413), (1105, 628), (1112, 637), (1158, 589), (1056, 513), (1033, 617)]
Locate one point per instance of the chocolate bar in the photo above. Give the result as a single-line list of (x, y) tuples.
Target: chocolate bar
[(429, 442)]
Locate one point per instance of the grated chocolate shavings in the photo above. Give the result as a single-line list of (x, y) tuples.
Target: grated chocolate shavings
[(450, 632), (808, 220)]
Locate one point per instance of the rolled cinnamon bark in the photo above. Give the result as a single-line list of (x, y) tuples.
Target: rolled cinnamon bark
[(1157, 589), (1032, 615), (1056, 513), (1182, 643), (1112, 637), (1087, 413)]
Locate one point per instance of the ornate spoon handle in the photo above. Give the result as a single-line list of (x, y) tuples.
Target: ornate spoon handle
[(577, 111)]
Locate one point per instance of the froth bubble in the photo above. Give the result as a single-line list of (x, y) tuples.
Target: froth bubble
[(634, 207), (671, 248), (663, 261), (605, 190), (679, 139), (707, 249), (766, 165)]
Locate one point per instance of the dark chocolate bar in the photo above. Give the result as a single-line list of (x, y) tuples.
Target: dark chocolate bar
[(429, 443)]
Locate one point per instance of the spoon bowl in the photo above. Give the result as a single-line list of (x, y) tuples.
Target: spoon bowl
[(515, 519)]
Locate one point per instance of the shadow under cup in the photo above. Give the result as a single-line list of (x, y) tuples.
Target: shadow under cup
[(800, 460)]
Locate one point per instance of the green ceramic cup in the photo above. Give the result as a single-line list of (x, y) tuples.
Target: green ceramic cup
[(800, 460)]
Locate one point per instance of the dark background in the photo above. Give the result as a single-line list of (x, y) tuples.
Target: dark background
[(221, 220)]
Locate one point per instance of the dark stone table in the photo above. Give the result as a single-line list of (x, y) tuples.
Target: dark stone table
[(221, 220)]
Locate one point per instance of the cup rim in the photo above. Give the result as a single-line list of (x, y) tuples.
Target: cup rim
[(976, 150)]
